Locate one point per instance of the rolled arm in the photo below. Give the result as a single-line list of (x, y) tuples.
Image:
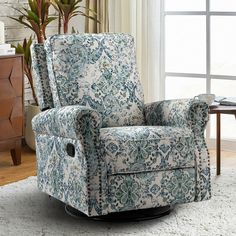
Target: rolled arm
[(79, 126), (187, 113), (68, 121)]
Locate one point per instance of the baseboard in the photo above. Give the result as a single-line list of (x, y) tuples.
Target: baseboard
[(226, 145)]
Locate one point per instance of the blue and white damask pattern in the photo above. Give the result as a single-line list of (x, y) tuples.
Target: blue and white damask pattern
[(98, 71), (151, 189), (146, 148), (66, 121), (127, 155), (77, 125), (191, 114), (60, 175), (40, 76)]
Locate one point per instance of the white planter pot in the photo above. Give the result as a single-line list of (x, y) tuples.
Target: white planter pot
[(32, 111)]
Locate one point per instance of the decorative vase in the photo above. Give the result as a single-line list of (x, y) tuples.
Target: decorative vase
[(32, 111)]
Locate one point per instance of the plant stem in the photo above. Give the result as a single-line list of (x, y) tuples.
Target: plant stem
[(66, 27), (28, 73), (59, 23), (40, 38)]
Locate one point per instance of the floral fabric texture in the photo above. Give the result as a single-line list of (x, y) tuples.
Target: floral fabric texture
[(98, 71), (40, 75), (193, 115), (146, 148), (125, 154), (151, 189)]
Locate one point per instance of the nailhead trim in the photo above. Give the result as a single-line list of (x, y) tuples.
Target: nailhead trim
[(87, 148), (99, 168), (197, 140)]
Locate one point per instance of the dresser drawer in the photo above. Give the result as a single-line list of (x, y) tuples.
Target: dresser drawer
[(11, 77), (11, 97)]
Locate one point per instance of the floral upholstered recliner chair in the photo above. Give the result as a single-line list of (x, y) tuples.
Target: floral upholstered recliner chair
[(100, 149)]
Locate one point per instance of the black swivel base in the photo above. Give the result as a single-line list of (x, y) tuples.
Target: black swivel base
[(126, 216)]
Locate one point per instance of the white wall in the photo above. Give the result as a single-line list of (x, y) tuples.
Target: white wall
[(15, 32)]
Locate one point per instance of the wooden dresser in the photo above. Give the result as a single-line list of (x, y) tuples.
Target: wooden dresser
[(12, 105)]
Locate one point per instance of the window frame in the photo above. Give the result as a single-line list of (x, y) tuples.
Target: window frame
[(207, 76)]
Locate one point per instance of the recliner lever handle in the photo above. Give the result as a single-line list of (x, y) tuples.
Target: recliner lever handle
[(70, 149)]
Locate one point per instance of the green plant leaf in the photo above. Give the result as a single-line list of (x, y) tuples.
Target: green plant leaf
[(90, 10), (24, 48), (73, 31), (20, 20), (36, 17), (88, 16), (32, 5), (50, 19), (33, 16)]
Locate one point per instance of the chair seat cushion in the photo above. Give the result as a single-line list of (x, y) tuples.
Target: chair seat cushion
[(136, 149)]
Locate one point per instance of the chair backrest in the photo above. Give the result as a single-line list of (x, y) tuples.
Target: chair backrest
[(98, 71)]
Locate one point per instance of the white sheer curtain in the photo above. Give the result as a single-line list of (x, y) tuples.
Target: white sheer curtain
[(141, 18)]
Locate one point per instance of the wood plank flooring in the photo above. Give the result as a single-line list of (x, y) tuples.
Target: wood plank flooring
[(10, 173), (228, 159)]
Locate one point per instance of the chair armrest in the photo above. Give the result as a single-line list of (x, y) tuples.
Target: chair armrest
[(187, 113), (192, 114), (68, 121), (79, 126)]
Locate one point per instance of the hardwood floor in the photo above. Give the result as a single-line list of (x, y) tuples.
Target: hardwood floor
[(10, 173), (228, 159)]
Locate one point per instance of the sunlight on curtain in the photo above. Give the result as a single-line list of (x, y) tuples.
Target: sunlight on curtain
[(101, 8), (141, 18)]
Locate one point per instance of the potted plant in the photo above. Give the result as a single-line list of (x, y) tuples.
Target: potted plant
[(68, 9), (33, 109), (36, 18)]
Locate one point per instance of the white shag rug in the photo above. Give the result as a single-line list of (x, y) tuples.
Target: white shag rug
[(24, 210)]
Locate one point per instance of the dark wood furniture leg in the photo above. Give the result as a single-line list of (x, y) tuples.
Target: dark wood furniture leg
[(218, 161), (16, 153), (230, 110)]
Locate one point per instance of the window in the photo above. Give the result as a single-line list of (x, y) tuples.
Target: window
[(199, 51)]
